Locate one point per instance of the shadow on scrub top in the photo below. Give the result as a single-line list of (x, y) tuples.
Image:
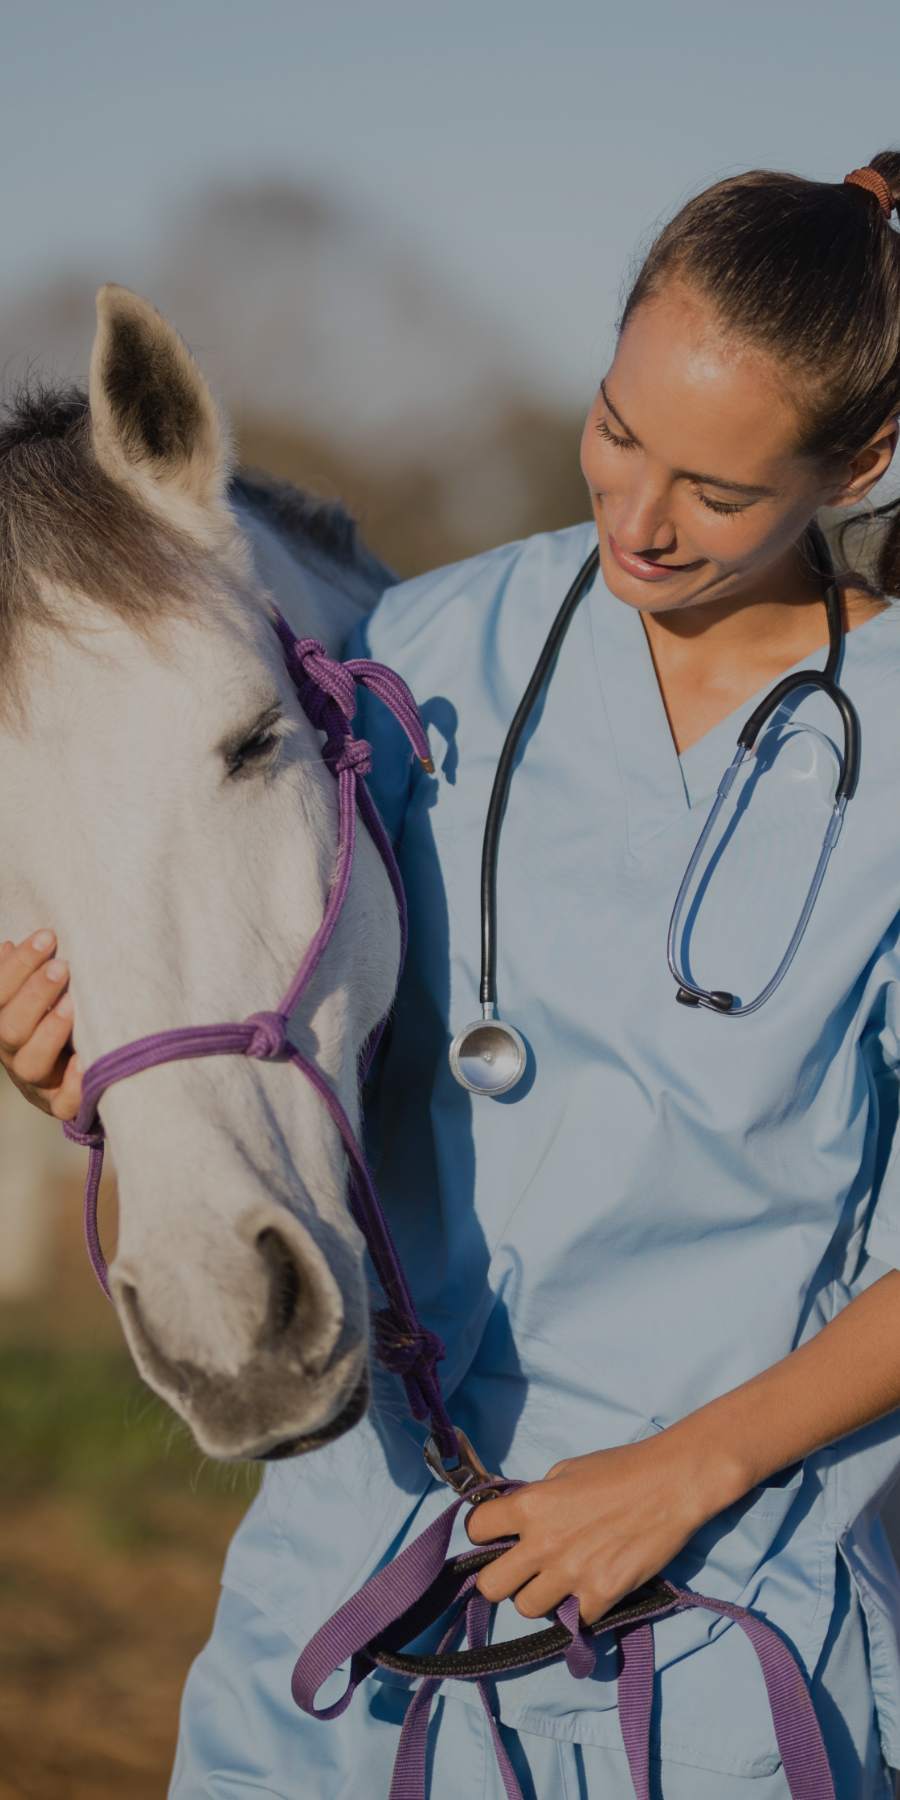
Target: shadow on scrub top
[(415, 1109)]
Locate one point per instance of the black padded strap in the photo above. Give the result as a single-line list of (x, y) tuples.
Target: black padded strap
[(650, 1600)]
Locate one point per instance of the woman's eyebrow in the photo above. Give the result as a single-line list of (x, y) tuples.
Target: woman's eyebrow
[(734, 487)]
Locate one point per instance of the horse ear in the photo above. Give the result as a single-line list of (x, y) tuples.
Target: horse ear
[(153, 419)]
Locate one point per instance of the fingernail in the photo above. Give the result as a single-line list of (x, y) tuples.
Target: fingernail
[(64, 1006), (42, 940), (55, 969)]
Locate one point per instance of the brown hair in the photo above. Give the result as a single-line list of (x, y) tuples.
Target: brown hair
[(808, 271)]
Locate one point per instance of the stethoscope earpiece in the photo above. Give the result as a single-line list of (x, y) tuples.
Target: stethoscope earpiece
[(488, 1057)]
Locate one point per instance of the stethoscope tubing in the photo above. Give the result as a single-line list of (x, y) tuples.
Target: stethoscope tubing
[(718, 999), (689, 993)]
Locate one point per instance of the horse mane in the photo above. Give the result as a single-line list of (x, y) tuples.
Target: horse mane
[(40, 414), (36, 413), (304, 518), (63, 520)]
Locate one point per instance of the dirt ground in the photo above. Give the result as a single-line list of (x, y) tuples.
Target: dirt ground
[(95, 1647), (112, 1536)]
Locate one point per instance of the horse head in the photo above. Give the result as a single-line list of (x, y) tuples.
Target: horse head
[(166, 805)]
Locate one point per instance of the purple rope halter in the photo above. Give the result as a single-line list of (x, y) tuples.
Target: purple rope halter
[(421, 1585), (327, 692)]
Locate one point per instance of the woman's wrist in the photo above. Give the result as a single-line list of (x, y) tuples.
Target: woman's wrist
[(710, 1472)]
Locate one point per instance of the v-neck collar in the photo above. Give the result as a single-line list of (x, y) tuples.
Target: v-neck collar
[(660, 784)]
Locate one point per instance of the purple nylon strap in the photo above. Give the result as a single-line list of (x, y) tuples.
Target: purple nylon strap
[(327, 692), (409, 1766), (395, 1589)]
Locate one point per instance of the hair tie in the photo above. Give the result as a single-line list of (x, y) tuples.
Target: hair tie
[(876, 184)]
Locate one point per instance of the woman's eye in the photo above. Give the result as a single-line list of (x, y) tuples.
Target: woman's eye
[(620, 442), (720, 506)]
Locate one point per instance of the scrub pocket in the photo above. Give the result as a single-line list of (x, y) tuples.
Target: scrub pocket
[(712, 1709), (242, 1738), (770, 1552)]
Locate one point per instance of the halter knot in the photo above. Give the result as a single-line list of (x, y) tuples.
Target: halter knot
[(330, 677), (401, 1349), (348, 753), (269, 1040), (89, 1140)]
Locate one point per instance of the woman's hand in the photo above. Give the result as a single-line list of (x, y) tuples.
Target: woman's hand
[(596, 1526), (36, 1019)]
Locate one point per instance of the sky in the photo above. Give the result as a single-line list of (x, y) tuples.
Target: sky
[(528, 151)]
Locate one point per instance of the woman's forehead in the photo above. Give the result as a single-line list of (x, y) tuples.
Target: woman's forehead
[(697, 398)]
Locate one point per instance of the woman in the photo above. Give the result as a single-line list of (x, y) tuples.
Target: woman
[(667, 1266)]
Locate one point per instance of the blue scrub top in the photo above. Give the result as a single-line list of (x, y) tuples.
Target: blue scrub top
[(673, 1199)]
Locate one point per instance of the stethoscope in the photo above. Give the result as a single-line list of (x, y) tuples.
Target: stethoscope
[(489, 1055)]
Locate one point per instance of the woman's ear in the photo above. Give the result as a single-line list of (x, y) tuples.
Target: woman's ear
[(154, 423), (866, 467)]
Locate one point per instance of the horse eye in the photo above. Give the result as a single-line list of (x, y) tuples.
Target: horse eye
[(253, 750)]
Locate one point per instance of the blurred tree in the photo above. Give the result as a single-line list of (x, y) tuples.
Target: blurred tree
[(349, 365), (523, 477)]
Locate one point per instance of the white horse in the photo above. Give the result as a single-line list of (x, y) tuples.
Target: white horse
[(165, 805)]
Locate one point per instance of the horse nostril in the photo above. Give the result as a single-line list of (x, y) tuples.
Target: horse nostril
[(284, 1280)]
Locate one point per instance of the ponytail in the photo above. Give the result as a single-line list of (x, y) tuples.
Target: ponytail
[(809, 272)]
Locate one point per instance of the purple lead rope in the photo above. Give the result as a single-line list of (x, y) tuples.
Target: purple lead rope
[(327, 692)]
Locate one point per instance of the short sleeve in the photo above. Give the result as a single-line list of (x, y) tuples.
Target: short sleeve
[(883, 1233)]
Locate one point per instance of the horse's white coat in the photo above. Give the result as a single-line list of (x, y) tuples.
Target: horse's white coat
[(183, 896)]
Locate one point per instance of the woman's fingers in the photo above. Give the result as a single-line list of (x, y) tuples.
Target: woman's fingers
[(36, 1020), (491, 1519), (67, 1099), (31, 982), (60, 1094), (542, 1596), (45, 1055), (505, 1576), (17, 961)]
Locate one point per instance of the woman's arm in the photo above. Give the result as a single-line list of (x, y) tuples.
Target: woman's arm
[(846, 1376), (598, 1525)]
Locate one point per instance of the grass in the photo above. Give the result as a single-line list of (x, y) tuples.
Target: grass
[(76, 1423)]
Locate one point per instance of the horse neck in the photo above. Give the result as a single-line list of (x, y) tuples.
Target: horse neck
[(318, 596)]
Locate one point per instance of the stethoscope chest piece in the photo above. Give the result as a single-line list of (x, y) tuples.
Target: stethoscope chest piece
[(488, 1056)]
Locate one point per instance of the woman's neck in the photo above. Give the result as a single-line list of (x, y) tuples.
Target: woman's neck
[(742, 636)]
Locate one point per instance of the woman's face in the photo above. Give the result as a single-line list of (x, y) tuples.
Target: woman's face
[(688, 456)]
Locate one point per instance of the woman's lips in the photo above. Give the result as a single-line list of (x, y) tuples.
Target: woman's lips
[(646, 571)]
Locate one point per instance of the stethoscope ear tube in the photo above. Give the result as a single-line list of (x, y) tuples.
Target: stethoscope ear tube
[(717, 999), (849, 775), (488, 1056)]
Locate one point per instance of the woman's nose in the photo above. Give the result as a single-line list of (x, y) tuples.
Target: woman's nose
[(642, 525)]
